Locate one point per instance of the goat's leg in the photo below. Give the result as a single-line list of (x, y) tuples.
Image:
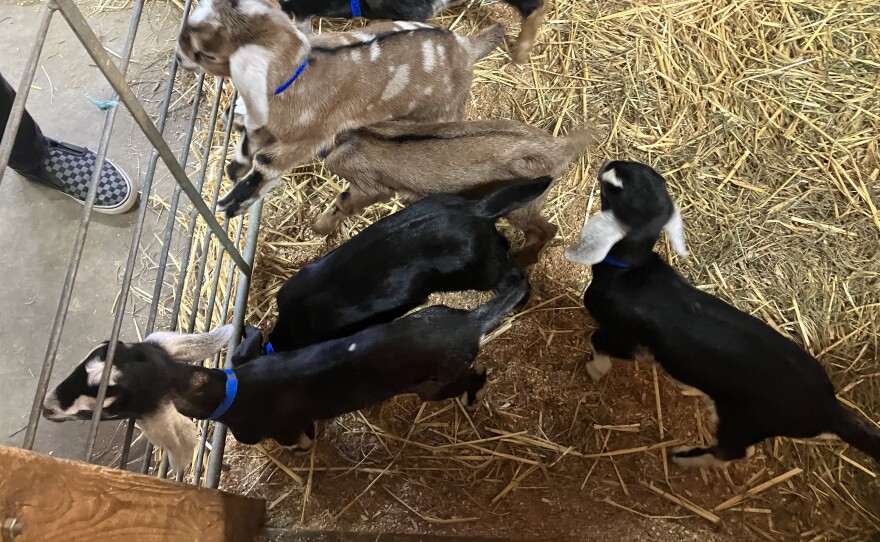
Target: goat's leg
[(242, 158), (606, 345), (270, 162), (476, 382), (735, 439), (531, 27), (352, 201)]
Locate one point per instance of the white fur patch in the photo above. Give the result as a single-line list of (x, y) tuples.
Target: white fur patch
[(175, 433), (95, 369), (599, 366), (202, 12), (249, 67), (441, 52), (610, 177), (397, 83), (404, 25), (361, 36), (428, 57), (254, 7), (599, 234), (83, 403), (375, 51), (356, 55), (352, 347), (675, 230), (191, 346)]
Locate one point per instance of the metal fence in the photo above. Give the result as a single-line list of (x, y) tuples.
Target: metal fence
[(178, 229)]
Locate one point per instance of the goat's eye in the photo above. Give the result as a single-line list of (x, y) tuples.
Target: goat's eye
[(205, 56)]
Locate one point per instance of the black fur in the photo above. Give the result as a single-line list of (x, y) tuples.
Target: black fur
[(428, 353), (441, 243), (763, 384)]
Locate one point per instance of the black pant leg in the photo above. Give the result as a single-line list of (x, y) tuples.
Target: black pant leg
[(28, 149)]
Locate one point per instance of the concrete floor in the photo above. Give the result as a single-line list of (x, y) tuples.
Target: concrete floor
[(38, 225)]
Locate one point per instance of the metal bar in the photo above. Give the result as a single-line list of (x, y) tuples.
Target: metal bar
[(193, 218), (24, 87), (93, 46), (207, 237), (145, 194), (215, 463), (114, 335), (73, 268), (172, 210), (166, 247)]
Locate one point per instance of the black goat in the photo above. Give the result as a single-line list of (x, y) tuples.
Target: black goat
[(762, 384), (532, 11), (441, 243), (280, 396)]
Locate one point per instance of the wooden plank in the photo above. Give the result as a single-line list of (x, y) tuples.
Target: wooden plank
[(290, 535), (61, 500)]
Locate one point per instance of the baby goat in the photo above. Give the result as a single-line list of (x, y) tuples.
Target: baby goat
[(463, 158), (532, 11), (762, 384), (442, 243), (300, 92), (428, 353)]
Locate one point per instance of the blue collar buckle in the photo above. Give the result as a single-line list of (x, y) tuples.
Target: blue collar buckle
[(231, 390)]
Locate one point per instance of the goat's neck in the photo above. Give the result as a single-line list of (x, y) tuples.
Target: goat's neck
[(288, 52), (197, 391), (633, 252)]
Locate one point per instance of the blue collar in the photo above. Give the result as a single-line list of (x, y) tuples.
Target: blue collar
[(231, 390), (283, 87), (355, 8), (269, 348), (611, 260)]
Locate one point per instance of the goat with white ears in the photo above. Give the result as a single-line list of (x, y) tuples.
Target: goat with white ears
[(762, 384), (429, 353)]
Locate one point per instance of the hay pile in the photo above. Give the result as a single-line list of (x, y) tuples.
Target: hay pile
[(764, 118)]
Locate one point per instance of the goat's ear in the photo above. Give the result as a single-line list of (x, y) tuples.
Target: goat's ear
[(191, 346), (675, 230), (249, 67), (599, 234)]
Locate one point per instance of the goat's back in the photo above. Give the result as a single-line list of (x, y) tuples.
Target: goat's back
[(456, 157), (437, 244), (710, 345)]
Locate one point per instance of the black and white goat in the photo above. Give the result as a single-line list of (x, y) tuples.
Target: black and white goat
[(280, 396), (762, 384), (532, 11), (442, 243)]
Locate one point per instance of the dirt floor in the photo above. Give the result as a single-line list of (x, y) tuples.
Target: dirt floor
[(762, 116)]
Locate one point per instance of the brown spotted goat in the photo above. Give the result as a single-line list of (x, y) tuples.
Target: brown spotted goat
[(301, 91), (468, 158)]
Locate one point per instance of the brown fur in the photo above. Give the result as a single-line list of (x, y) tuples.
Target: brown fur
[(415, 160), (256, 44)]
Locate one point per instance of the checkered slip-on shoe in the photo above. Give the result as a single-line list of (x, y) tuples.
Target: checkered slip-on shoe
[(68, 169)]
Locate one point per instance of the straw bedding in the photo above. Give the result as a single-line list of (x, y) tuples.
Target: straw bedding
[(764, 118)]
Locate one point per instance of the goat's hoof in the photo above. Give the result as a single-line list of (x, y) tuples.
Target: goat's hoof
[(598, 367)]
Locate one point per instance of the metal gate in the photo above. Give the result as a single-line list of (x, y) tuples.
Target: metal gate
[(228, 237)]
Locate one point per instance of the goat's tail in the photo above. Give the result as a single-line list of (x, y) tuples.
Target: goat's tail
[(510, 197), (859, 433), (576, 143), (486, 41), (491, 313)]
